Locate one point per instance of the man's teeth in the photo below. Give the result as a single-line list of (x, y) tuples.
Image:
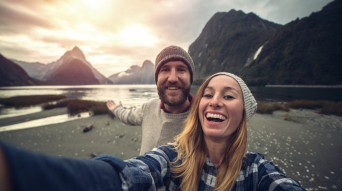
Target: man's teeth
[(172, 88), (216, 116)]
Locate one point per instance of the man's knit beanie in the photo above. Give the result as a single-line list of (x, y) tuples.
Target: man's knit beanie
[(250, 103), (173, 53)]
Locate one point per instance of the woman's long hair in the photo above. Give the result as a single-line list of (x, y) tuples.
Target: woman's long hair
[(192, 152)]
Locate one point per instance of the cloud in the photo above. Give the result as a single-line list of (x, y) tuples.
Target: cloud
[(14, 20), (116, 34)]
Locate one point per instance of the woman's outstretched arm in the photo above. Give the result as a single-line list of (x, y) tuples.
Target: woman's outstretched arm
[(4, 175), (25, 170)]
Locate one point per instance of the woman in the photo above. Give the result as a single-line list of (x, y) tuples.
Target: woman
[(210, 154)]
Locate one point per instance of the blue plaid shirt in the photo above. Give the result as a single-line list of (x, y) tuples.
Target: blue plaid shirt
[(152, 171)]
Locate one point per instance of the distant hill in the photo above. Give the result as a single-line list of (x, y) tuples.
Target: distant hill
[(229, 41), (135, 75), (305, 51), (33, 69), (72, 72), (13, 75), (71, 69)]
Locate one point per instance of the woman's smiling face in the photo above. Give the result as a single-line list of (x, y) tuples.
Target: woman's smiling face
[(221, 107)]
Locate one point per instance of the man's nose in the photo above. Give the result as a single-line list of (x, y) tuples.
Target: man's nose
[(173, 77)]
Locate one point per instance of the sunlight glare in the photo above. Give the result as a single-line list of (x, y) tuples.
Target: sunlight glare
[(94, 4), (137, 35)]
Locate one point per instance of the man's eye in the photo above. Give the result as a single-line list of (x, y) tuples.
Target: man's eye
[(164, 70)]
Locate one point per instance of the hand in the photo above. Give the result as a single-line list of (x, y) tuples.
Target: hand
[(4, 172), (111, 104)]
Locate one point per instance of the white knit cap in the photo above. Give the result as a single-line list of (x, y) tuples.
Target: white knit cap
[(250, 103)]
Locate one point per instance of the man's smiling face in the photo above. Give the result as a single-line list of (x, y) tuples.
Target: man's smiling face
[(174, 83)]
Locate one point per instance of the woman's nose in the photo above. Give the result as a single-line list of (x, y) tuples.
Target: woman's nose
[(216, 101)]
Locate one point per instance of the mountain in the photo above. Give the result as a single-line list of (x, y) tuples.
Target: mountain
[(71, 69), (135, 75), (305, 51), (13, 75), (229, 41), (33, 69), (72, 72)]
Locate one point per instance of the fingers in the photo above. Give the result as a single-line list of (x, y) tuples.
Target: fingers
[(110, 104)]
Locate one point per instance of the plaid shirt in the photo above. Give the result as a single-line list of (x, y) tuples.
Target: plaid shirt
[(152, 171)]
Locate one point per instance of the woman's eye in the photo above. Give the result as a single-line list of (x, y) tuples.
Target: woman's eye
[(228, 97), (207, 95)]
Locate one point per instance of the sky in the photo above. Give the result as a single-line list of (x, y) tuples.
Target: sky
[(115, 34)]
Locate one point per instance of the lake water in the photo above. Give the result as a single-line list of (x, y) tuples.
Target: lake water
[(289, 93), (129, 95), (136, 95)]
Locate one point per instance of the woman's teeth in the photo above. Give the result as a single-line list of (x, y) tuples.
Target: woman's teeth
[(215, 117)]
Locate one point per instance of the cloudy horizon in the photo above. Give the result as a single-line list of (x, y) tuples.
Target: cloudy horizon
[(114, 35)]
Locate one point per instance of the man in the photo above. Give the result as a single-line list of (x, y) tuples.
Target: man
[(162, 119)]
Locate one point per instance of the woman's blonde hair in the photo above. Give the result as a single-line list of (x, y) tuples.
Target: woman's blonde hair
[(192, 153)]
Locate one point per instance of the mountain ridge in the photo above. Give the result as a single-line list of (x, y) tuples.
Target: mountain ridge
[(305, 51), (302, 52), (49, 72), (13, 75), (228, 42), (135, 74)]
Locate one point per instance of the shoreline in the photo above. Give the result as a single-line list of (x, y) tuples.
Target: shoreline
[(305, 86), (304, 144)]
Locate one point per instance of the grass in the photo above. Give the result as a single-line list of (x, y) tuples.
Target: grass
[(25, 101), (324, 107)]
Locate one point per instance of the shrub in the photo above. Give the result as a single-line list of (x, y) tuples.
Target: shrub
[(326, 107), (306, 104), (25, 101), (269, 107), (334, 108)]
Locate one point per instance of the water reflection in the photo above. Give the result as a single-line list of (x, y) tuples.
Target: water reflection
[(129, 95), (139, 95), (45, 121), (12, 112)]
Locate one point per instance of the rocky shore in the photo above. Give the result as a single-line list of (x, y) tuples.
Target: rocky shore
[(304, 144)]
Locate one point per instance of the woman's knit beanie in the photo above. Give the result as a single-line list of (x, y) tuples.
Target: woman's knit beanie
[(173, 53), (250, 103)]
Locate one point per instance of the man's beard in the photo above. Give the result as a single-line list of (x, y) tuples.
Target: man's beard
[(177, 102)]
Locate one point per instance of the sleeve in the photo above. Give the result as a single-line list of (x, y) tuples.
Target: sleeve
[(131, 116), (147, 172), (34, 171), (272, 178)]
